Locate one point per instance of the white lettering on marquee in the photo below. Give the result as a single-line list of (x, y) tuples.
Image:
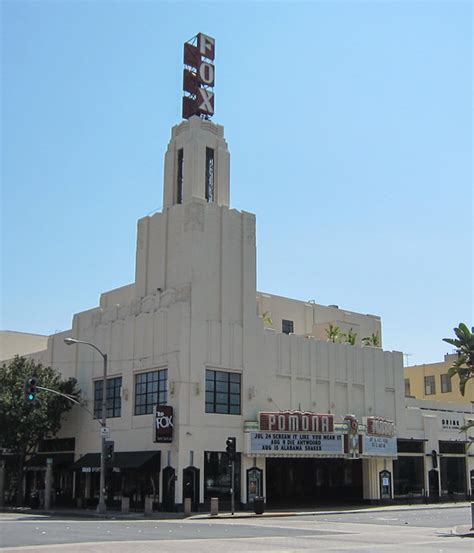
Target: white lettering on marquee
[(293, 423), (296, 421), (298, 443), (380, 427)]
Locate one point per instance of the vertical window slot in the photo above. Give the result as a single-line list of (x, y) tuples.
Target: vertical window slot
[(210, 192), (179, 178)]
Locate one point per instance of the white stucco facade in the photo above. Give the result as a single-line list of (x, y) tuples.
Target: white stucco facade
[(194, 307)]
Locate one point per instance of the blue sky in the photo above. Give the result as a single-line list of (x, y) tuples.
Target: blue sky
[(350, 131)]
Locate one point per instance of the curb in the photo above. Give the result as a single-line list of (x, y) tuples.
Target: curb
[(463, 531), (93, 515), (158, 515), (391, 509)]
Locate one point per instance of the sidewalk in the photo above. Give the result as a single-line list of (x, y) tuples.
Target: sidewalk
[(90, 513), (464, 531), (157, 515), (335, 510)]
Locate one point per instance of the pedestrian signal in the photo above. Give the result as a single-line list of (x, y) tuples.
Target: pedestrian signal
[(109, 453), (230, 448), (30, 390)]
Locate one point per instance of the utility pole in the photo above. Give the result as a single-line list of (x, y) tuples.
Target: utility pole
[(232, 494), (101, 507), (231, 452)]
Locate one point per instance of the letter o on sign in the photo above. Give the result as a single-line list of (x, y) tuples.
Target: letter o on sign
[(164, 422), (206, 73)]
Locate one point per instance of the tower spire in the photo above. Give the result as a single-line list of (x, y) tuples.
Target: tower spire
[(197, 159), (197, 164)]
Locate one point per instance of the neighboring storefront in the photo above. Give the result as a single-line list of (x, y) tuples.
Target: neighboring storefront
[(132, 474), (435, 462), (409, 469)]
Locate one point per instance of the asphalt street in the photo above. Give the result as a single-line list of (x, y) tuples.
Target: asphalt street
[(441, 518), (407, 531), (43, 532)]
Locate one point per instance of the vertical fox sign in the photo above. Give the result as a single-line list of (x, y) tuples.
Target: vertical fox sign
[(198, 76)]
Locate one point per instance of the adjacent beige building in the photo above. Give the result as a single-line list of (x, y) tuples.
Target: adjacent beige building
[(431, 381), (20, 343)]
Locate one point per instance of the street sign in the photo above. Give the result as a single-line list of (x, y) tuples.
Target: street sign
[(105, 432)]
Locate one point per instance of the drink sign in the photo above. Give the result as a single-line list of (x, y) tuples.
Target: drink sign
[(164, 423)]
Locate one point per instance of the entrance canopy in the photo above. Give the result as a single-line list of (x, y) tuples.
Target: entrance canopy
[(124, 460), (60, 460)]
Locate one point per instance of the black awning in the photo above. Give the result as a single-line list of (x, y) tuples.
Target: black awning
[(146, 460), (60, 460), (11, 459)]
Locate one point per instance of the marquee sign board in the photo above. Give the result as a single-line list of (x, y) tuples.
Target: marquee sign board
[(295, 444), (378, 426), (164, 423), (296, 421), (198, 76), (379, 446)]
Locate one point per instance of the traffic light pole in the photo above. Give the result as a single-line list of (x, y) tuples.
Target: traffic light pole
[(101, 507), (232, 494), (70, 398), (231, 452)]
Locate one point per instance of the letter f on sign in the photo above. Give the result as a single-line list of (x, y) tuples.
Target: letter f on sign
[(206, 46)]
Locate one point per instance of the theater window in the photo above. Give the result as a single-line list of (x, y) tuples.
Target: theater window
[(223, 392)]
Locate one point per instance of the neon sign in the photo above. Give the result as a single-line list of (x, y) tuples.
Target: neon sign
[(198, 76)]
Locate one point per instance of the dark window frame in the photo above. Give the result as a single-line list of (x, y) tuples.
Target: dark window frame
[(407, 387), (217, 476), (452, 448), (113, 395), (151, 389), (410, 446), (56, 444), (287, 326), (430, 385), (223, 392), (408, 476), (446, 386)]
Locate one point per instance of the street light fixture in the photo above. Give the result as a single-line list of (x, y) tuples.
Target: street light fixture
[(101, 507)]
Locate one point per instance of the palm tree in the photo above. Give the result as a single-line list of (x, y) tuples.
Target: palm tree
[(351, 337), (372, 340), (464, 364), (267, 320), (334, 333)]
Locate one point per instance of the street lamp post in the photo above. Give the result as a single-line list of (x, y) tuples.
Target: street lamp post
[(101, 507)]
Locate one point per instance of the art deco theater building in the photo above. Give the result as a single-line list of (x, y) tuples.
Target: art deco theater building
[(193, 359)]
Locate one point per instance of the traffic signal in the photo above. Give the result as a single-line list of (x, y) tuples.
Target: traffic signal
[(109, 454), (230, 448), (30, 390), (434, 458)]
